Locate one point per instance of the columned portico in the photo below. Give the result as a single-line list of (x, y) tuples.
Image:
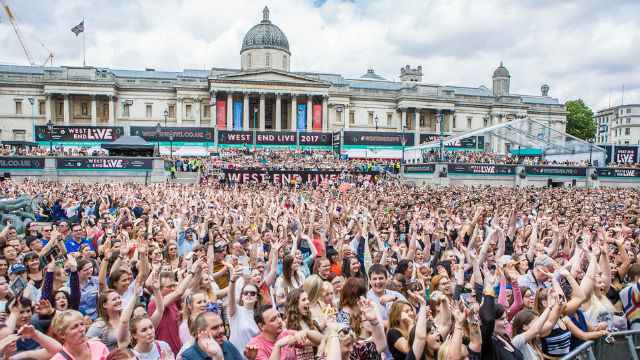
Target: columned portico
[(179, 106), (245, 112), (112, 110), (66, 110), (261, 117), (325, 119), (198, 102), (229, 109), (94, 111), (278, 119), (416, 126), (309, 113), (294, 112), (403, 119)]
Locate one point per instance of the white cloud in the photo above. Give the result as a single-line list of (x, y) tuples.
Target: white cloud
[(582, 49)]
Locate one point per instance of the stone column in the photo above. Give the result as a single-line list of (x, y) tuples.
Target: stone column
[(309, 113), (47, 108), (416, 128), (403, 118), (345, 116), (494, 139), (66, 111), (179, 106), (278, 115), (198, 102), (245, 112), (294, 112), (261, 117), (229, 110), (112, 110), (325, 110), (94, 111)]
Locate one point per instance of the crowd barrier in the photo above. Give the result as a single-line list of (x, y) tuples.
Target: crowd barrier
[(519, 175), (624, 347)]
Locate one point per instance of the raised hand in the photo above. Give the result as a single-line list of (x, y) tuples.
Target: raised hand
[(250, 352), (44, 308)]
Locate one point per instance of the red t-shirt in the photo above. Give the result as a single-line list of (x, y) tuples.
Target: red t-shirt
[(167, 330), (265, 347)]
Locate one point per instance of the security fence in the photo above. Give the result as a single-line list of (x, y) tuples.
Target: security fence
[(624, 347)]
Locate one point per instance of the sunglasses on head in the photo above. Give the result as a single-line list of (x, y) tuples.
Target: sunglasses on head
[(346, 330), (249, 293)]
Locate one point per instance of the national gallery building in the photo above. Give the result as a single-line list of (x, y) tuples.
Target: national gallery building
[(263, 95)]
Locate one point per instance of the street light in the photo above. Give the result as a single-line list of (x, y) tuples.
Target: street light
[(171, 140), (158, 128), (590, 150), (404, 142), (50, 128), (166, 113), (376, 123), (255, 111)]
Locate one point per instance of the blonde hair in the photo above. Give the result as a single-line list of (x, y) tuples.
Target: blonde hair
[(443, 352), (62, 319), (322, 348), (313, 287)]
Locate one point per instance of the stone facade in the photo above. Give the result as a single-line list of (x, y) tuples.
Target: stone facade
[(267, 89), (618, 125)]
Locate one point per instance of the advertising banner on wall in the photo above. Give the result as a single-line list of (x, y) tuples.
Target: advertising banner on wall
[(419, 168), (104, 163), (469, 143), (183, 135), (235, 138), (284, 176), (222, 114), (21, 163), (337, 136), (302, 117), (620, 154), (317, 117), (482, 169), (550, 171), (237, 116), (276, 138), (373, 139), (618, 172), (315, 139), (78, 135)]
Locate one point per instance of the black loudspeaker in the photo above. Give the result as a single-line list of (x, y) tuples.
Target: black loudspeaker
[(573, 182), (549, 183), (522, 174), (594, 176), (7, 175)]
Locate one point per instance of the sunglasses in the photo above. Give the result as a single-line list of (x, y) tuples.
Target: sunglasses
[(346, 330), (249, 293)]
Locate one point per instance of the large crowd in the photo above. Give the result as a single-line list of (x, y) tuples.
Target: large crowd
[(382, 271)]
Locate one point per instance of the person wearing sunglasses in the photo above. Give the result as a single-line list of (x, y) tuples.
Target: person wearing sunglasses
[(241, 324), (187, 238)]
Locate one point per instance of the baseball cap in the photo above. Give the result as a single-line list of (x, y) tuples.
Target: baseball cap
[(507, 260), (219, 245), (17, 268), (242, 239)]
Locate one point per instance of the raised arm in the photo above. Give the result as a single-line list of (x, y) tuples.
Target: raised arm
[(122, 333), (231, 289), (420, 339)]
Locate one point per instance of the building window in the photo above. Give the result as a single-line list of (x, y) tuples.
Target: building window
[(41, 107), (149, 111), (188, 110), (629, 111), (454, 122), (284, 62), (267, 60), (84, 109), (628, 120), (206, 111), (627, 131), (126, 110), (60, 108), (352, 117), (469, 118), (172, 111), (105, 110), (370, 118), (18, 107), (249, 60), (18, 135), (389, 119), (626, 142), (485, 121)]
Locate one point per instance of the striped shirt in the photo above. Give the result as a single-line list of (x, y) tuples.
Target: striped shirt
[(630, 297), (558, 343)]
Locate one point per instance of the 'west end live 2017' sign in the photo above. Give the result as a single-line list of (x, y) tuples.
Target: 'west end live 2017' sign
[(104, 163)]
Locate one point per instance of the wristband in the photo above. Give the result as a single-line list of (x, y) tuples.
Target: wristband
[(190, 272), (490, 292)]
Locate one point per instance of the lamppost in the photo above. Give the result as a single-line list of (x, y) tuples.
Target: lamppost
[(404, 142), (33, 125), (590, 150), (166, 113), (158, 128), (297, 128), (171, 140), (376, 123), (440, 119), (50, 128), (255, 111)]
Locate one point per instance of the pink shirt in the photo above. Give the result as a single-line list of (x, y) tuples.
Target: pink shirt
[(98, 351), (265, 347)]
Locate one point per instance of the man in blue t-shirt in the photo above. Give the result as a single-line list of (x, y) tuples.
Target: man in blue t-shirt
[(210, 340), (73, 245)]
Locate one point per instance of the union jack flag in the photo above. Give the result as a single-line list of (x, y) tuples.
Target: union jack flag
[(78, 28)]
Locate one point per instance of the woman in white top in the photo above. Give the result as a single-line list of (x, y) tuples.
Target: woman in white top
[(241, 323), (290, 279)]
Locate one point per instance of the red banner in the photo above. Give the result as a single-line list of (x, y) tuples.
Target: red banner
[(222, 107), (317, 117)]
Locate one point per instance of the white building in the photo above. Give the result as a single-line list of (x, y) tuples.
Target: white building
[(265, 86), (618, 125)]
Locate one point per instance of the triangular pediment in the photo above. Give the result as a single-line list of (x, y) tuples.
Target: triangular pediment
[(270, 76)]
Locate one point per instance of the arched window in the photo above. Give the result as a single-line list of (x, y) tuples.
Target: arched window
[(267, 60), (249, 60), (284, 62)]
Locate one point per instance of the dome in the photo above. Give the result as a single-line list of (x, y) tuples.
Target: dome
[(501, 71), (265, 35), (371, 74)]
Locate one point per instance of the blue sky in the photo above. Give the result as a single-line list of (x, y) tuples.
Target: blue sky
[(582, 49)]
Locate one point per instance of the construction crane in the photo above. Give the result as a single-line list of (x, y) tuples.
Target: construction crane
[(19, 34)]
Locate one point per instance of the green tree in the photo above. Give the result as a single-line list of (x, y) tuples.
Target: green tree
[(580, 120)]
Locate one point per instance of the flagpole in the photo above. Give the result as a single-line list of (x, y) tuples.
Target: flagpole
[(84, 59)]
